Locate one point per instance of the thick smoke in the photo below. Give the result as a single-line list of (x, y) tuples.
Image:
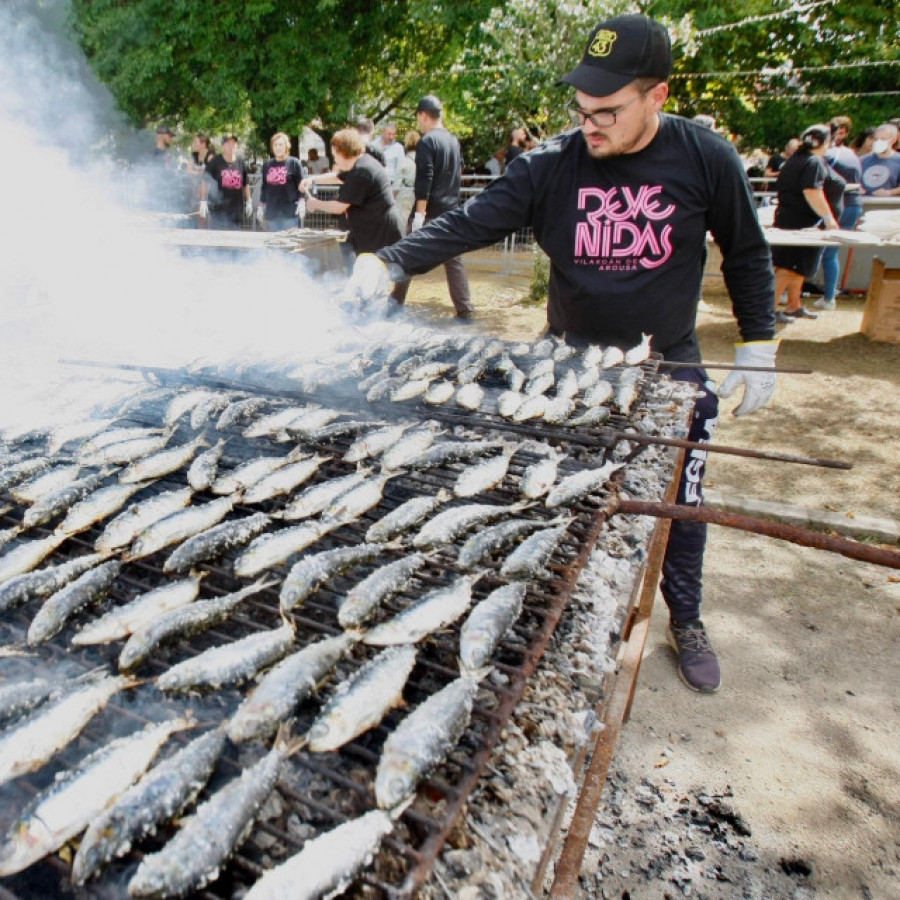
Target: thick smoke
[(80, 280)]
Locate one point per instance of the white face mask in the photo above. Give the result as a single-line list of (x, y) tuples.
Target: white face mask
[(880, 146)]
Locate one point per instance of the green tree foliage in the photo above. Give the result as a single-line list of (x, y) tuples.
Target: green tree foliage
[(764, 69)]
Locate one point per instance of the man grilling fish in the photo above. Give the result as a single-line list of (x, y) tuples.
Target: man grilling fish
[(621, 204)]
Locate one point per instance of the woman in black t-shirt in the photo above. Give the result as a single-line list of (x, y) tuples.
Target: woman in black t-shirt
[(801, 204), (279, 193), (365, 197)]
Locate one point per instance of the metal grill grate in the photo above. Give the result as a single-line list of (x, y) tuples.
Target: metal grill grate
[(317, 792)]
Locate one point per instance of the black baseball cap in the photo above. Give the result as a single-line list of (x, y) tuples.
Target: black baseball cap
[(620, 50), (430, 104)]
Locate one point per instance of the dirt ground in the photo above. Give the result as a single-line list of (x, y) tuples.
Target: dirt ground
[(785, 784)]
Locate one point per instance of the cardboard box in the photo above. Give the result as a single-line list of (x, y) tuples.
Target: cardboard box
[(881, 317)]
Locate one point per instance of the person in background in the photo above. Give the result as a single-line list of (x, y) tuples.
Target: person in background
[(225, 192), (777, 160), (801, 204), (364, 197), (705, 120), (162, 152), (202, 151), (881, 167), (516, 147), (405, 194), (494, 166), (279, 192), (393, 152), (315, 165), (862, 143), (621, 204), (841, 126), (366, 127), (438, 183), (846, 164)]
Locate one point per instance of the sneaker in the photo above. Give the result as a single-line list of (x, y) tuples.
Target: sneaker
[(822, 303), (801, 313), (783, 318), (697, 663)]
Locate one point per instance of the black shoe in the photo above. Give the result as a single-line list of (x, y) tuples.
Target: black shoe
[(697, 662), (802, 313), (783, 318)]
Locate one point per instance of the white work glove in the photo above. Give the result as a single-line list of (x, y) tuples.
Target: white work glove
[(248, 208), (758, 386), (418, 221), (204, 209), (369, 279), (260, 214)]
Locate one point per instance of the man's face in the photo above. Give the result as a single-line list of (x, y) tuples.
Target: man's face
[(636, 119), (389, 134), (840, 135)]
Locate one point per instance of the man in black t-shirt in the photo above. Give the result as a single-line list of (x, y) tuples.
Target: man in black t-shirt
[(225, 192), (621, 204)]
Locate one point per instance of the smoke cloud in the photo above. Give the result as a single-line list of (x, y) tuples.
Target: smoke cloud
[(81, 280)]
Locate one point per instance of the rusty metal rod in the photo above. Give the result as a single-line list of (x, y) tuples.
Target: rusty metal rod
[(780, 370), (732, 451), (879, 556)]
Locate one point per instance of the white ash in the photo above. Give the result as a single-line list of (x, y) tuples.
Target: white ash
[(512, 821)]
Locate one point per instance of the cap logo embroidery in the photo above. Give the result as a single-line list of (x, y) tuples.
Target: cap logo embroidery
[(602, 43)]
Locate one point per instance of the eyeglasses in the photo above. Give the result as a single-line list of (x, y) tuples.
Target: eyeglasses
[(600, 118)]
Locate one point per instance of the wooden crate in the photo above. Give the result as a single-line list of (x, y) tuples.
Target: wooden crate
[(881, 317)]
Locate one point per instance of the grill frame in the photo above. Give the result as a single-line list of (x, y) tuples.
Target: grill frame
[(561, 579)]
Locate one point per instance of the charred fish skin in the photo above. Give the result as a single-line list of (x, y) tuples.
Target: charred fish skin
[(533, 553), (312, 571), (326, 866), (96, 507), (65, 808), (183, 622), (362, 600), (66, 602), (193, 858), (44, 582), (157, 798), (125, 527), (58, 502), (446, 526), (30, 744), (363, 700), (230, 663), (21, 697), (488, 624), (202, 471), (270, 550), (282, 689), (318, 497), (214, 542), (483, 543), (28, 554), (574, 487), (401, 519), (422, 741), (125, 620), (284, 480), (438, 608), (172, 459), (181, 525)]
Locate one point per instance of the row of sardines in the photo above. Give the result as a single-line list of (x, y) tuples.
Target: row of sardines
[(240, 562)]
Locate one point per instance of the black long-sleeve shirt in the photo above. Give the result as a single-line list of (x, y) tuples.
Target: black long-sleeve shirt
[(438, 171), (625, 236)]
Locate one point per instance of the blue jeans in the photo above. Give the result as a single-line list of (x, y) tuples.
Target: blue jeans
[(682, 569), (831, 266)]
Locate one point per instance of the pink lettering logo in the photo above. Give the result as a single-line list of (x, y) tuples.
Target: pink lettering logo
[(622, 224), (231, 179), (277, 175)]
